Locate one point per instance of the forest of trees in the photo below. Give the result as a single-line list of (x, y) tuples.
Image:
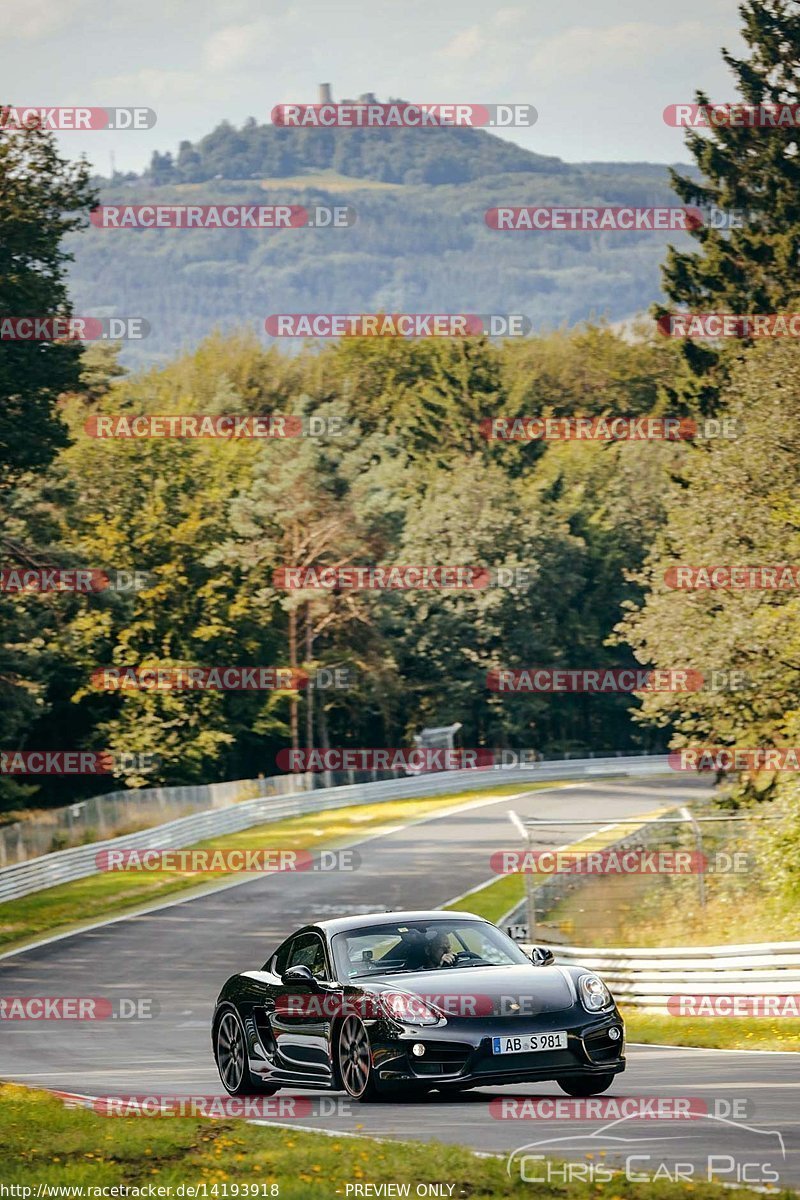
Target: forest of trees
[(413, 248), (447, 155), (410, 479)]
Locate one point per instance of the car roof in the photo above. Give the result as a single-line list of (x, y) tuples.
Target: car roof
[(363, 920)]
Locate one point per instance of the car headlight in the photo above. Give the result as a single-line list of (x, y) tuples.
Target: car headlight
[(410, 1009), (594, 994)]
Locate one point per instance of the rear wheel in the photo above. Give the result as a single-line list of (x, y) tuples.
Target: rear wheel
[(231, 1055), (585, 1085)]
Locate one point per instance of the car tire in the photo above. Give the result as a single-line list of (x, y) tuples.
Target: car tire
[(231, 1056), (354, 1060), (585, 1085)]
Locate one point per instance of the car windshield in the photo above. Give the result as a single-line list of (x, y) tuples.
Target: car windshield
[(422, 946)]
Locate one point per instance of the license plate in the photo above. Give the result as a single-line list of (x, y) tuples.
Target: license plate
[(530, 1041)]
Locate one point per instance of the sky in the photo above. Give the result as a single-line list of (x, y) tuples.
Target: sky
[(599, 72)]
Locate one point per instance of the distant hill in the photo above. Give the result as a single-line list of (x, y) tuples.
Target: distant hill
[(420, 243), (434, 156)]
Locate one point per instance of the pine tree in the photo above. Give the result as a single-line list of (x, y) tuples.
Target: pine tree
[(43, 197), (754, 173)]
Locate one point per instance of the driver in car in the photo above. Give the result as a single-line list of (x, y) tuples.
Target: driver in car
[(425, 951), (438, 952)]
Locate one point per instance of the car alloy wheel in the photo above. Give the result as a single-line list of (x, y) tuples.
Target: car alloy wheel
[(355, 1068), (231, 1053)]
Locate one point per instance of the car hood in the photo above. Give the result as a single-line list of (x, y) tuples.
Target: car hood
[(484, 991)]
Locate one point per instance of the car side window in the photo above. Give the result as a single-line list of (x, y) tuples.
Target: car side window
[(307, 950), (278, 961)]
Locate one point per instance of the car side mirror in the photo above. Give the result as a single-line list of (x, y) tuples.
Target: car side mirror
[(299, 974), (542, 957)]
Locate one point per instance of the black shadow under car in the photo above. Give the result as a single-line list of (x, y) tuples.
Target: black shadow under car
[(404, 1002)]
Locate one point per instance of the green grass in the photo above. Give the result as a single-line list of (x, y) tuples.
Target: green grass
[(499, 896), (637, 910), (494, 899), (328, 181), (640, 910), (45, 1142), (83, 901), (610, 910), (716, 1033)]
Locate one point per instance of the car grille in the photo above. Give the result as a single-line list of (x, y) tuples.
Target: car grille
[(538, 1060), (600, 1047), (441, 1058)]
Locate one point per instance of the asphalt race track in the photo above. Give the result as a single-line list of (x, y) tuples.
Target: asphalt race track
[(181, 954)]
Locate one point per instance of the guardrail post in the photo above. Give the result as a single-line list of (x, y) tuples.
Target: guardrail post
[(698, 843)]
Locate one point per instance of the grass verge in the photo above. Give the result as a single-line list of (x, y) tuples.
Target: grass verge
[(45, 1142), (641, 910), (611, 902), (712, 1033), (71, 905), (499, 896)]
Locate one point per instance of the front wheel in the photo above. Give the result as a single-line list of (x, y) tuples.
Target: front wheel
[(355, 1061), (585, 1085)]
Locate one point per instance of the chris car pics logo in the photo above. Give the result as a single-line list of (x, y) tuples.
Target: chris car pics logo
[(713, 1147)]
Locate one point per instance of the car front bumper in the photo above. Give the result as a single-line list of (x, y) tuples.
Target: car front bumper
[(461, 1051)]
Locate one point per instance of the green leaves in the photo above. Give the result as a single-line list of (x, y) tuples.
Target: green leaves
[(410, 481), (735, 504), (753, 174), (42, 198)]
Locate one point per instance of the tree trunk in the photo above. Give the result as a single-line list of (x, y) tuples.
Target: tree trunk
[(293, 715), (310, 686)]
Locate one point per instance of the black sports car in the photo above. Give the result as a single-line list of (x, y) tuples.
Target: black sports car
[(409, 1001)]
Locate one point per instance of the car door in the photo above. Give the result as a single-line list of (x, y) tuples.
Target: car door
[(303, 1015)]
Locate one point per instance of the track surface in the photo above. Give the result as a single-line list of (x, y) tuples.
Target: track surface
[(181, 954)]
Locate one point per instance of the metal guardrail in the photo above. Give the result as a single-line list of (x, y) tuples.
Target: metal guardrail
[(648, 977), (541, 895), (63, 866), (111, 814)]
